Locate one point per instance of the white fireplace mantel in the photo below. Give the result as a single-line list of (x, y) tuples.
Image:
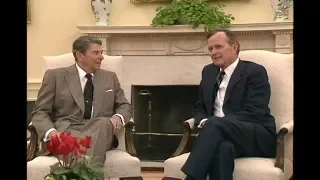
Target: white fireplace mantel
[(94, 29), (184, 40)]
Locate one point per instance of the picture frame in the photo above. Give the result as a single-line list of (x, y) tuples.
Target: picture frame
[(28, 12)]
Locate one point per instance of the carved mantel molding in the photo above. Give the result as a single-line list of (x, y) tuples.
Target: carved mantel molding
[(184, 40), (274, 26)]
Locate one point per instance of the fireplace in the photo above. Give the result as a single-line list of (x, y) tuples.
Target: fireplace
[(159, 112)]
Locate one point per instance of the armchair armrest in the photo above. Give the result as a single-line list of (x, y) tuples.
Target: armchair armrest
[(287, 127), (32, 145), (129, 128), (283, 131), (191, 122), (186, 138)]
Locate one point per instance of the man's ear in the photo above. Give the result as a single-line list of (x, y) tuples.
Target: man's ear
[(79, 55), (235, 46)]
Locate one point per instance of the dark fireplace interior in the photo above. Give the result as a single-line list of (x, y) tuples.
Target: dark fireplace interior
[(159, 112)]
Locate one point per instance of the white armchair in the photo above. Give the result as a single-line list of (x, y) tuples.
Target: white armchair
[(280, 71), (121, 162)]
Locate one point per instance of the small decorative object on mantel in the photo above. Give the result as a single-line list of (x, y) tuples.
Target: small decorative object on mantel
[(72, 163), (194, 13), (281, 9), (101, 10)]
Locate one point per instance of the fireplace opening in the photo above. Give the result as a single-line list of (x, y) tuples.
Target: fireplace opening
[(159, 112)]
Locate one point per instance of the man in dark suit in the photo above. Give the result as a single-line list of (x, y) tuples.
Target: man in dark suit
[(82, 99), (232, 112)]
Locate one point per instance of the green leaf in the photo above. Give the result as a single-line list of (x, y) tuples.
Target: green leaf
[(55, 166), (61, 171), (50, 177), (76, 169), (194, 13), (84, 174), (98, 170), (64, 177), (159, 8)]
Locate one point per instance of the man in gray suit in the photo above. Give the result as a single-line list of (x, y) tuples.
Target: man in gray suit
[(82, 99)]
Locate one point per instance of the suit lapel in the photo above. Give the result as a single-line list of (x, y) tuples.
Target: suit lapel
[(72, 78), (99, 83), (211, 88), (235, 78)]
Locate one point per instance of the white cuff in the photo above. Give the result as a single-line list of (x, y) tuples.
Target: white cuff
[(46, 138), (121, 117), (200, 124)]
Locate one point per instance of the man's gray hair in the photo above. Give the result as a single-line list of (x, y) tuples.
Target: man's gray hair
[(231, 37), (82, 44)]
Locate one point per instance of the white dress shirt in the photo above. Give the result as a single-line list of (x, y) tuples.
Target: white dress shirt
[(218, 103), (83, 81)]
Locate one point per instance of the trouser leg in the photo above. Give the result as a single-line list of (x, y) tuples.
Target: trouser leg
[(215, 131), (223, 163), (101, 131)]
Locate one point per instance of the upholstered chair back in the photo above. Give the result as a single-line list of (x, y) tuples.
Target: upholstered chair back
[(280, 71)]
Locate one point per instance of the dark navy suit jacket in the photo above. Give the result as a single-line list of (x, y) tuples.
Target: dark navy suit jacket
[(247, 97)]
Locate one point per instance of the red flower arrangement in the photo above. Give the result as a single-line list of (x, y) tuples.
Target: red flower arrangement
[(73, 164)]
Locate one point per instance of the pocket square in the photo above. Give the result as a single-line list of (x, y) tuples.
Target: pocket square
[(109, 90)]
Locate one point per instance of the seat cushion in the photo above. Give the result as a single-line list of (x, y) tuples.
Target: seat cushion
[(121, 164), (256, 169), (118, 164), (245, 168), (39, 167)]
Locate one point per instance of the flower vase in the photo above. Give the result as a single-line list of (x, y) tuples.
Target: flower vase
[(101, 10), (281, 9)]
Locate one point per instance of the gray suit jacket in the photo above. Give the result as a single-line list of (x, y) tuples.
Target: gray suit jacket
[(60, 100)]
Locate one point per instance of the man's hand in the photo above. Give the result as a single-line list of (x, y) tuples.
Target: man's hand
[(204, 122), (116, 121), (54, 133)]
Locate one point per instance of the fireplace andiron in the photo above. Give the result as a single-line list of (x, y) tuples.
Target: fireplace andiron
[(149, 148)]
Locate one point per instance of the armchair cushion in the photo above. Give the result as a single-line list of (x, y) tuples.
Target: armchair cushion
[(121, 164), (245, 168), (118, 164), (39, 167)]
